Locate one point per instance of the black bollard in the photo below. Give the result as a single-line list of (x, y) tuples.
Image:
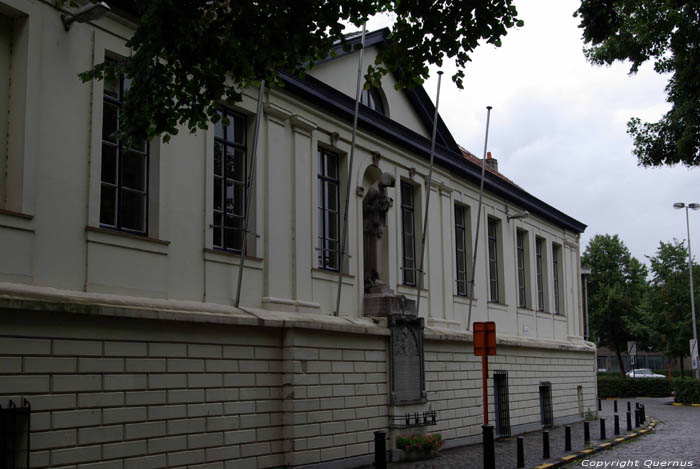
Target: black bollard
[(489, 449), (615, 405), (617, 424), (602, 429), (629, 421), (521, 453), (629, 408), (567, 438), (545, 444), (644, 414), (600, 406), (586, 433), (380, 449), (636, 405), (636, 418)]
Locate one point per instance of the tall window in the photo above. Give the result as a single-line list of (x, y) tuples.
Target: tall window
[(556, 252), (328, 213), (229, 181), (124, 187), (372, 98), (461, 249), (408, 233), (521, 243), (494, 294), (539, 247)]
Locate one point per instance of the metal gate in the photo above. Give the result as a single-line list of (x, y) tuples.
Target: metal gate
[(500, 393), (546, 403)]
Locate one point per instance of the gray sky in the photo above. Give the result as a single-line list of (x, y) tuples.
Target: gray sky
[(558, 129)]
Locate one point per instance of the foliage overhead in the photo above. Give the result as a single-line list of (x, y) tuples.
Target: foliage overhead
[(615, 287), (667, 32), (190, 55)]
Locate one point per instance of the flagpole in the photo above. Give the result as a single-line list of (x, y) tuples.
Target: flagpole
[(427, 196), (343, 239), (478, 216)]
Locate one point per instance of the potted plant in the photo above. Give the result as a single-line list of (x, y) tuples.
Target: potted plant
[(420, 446)]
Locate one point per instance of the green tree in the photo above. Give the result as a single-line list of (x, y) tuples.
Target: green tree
[(667, 32), (665, 314), (615, 288), (189, 55)]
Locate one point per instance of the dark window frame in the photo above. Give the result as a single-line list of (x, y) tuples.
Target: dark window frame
[(521, 250), (556, 250), (372, 98), (461, 233), (328, 248), (492, 243), (408, 240), (122, 154), (221, 240), (540, 272)]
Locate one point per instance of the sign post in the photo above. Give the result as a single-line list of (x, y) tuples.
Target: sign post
[(485, 345), (632, 354), (694, 353)]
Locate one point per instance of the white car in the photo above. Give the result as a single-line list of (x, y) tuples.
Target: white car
[(642, 373)]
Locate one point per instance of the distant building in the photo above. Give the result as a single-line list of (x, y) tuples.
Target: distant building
[(118, 269)]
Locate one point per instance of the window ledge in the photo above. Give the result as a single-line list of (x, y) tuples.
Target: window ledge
[(16, 220), (12, 213), (463, 299), (497, 306), (331, 275), (126, 240), (232, 258)]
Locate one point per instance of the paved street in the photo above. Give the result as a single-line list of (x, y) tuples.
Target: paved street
[(677, 438)]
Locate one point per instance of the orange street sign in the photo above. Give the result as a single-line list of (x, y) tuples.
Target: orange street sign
[(484, 338)]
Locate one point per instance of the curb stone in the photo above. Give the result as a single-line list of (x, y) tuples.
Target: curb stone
[(598, 448)]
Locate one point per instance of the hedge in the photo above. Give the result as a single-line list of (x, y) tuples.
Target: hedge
[(687, 390), (612, 386)]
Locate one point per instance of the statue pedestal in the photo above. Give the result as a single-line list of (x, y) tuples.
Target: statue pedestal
[(381, 301)]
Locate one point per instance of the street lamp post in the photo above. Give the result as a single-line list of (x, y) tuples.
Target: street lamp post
[(694, 206)]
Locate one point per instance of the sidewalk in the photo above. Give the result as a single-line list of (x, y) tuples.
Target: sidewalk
[(472, 457)]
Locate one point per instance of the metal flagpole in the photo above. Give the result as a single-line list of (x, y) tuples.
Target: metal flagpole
[(427, 196), (251, 176), (478, 215), (344, 236)]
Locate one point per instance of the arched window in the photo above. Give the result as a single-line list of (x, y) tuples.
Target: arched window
[(372, 98)]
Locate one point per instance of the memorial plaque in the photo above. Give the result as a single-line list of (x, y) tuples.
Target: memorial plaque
[(406, 360)]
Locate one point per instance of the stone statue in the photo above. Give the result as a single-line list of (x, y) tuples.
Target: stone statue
[(374, 207)]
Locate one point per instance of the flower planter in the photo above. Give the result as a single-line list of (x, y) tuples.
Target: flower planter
[(419, 454)]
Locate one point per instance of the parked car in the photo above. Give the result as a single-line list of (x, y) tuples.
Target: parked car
[(642, 373)]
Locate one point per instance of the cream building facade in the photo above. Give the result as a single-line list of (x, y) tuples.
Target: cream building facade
[(118, 270)]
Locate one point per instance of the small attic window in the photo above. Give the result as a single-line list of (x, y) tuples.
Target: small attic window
[(372, 98)]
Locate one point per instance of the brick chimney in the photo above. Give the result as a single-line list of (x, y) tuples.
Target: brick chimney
[(491, 162)]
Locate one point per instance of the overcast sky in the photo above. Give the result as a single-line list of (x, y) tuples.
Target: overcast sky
[(558, 129)]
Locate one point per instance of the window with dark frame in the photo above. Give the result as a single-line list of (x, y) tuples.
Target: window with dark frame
[(124, 174), (408, 234), (230, 150), (555, 274), (493, 260), (372, 98), (328, 209), (522, 286), (461, 250), (539, 242)]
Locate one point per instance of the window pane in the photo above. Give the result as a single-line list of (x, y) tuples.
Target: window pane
[(134, 171), (238, 199), (217, 230), (228, 200), (133, 210), (108, 205), (110, 121), (239, 166), (332, 197), (233, 239), (109, 163), (239, 126), (459, 216), (112, 87), (331, 165), (218, 158), (218, 192), (219, 126)]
